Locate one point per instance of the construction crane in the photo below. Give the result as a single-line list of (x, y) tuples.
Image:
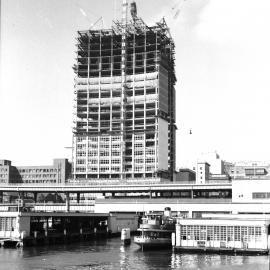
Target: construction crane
[(177, 8), (86, 15), (100, 19)]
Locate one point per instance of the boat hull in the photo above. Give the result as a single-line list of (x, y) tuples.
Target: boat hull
[(148, 243)]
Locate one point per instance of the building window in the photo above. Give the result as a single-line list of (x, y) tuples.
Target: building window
[(80, 161), (115, 161), (261, 195), (104, 161)]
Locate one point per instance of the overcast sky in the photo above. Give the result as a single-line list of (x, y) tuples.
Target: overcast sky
[(222, 68)]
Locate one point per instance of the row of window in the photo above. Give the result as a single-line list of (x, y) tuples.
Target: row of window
[(101, 146), (261, 195), (220, 233), (115, 169), (36, 170), (95, 161), (102, 139), (95, 153), (41, 181), (7, 223), (113, 161), (39, 176), (150, 154), (114, 144)]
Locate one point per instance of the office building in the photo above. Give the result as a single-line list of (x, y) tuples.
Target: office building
[(124, 103), (58, 173)]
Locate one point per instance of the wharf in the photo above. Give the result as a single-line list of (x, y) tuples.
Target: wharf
[(219, 250), (235, 234), (41, 228)]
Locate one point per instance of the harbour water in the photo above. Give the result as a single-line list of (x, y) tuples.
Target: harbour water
[(110, 254)]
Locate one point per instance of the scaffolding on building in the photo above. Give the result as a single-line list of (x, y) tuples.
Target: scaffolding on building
[(125, 101)]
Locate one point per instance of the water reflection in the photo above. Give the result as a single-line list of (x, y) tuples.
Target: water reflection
[(215, 261), (111, 254)]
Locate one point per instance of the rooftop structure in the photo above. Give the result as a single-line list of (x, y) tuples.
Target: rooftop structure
[(125, 102), (248, 170)]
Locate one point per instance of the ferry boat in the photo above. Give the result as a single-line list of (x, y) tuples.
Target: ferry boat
[(156, 230)]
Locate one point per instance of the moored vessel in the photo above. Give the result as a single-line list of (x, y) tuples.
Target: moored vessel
[(156, 230)]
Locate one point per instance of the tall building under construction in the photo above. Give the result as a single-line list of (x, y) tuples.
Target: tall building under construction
[(125, 102)]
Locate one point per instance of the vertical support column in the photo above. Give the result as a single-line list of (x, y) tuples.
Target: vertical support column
[(78, 197), (178, 235), (35, 196), (46, 225), (20, 200), (21, 195), (87, 108), (67, 202)]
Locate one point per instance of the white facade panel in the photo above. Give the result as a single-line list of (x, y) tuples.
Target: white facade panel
[(163, 145), (251, 191)]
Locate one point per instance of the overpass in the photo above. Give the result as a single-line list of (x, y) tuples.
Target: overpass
[(120, 190), (111, 188)]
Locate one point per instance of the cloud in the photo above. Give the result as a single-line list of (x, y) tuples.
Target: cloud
[(242, 21)]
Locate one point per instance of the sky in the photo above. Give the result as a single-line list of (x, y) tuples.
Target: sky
[(222, 69)]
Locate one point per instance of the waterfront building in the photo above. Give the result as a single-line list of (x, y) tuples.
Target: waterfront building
[(36, 228), (124, 103), (51, 174), (224, 233)]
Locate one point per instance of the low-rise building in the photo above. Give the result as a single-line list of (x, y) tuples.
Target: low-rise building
[(185, 175), (56, 173)]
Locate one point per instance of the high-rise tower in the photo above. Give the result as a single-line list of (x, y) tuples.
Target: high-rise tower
[(125, 103)]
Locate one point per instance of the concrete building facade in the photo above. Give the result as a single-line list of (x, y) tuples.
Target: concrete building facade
[(202, 172), (124, 103), (185, 175), (57, 173)]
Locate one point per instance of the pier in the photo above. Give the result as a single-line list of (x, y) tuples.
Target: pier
[(36, 228)]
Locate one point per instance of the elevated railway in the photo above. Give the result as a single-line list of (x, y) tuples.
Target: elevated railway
[(109, 188)]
